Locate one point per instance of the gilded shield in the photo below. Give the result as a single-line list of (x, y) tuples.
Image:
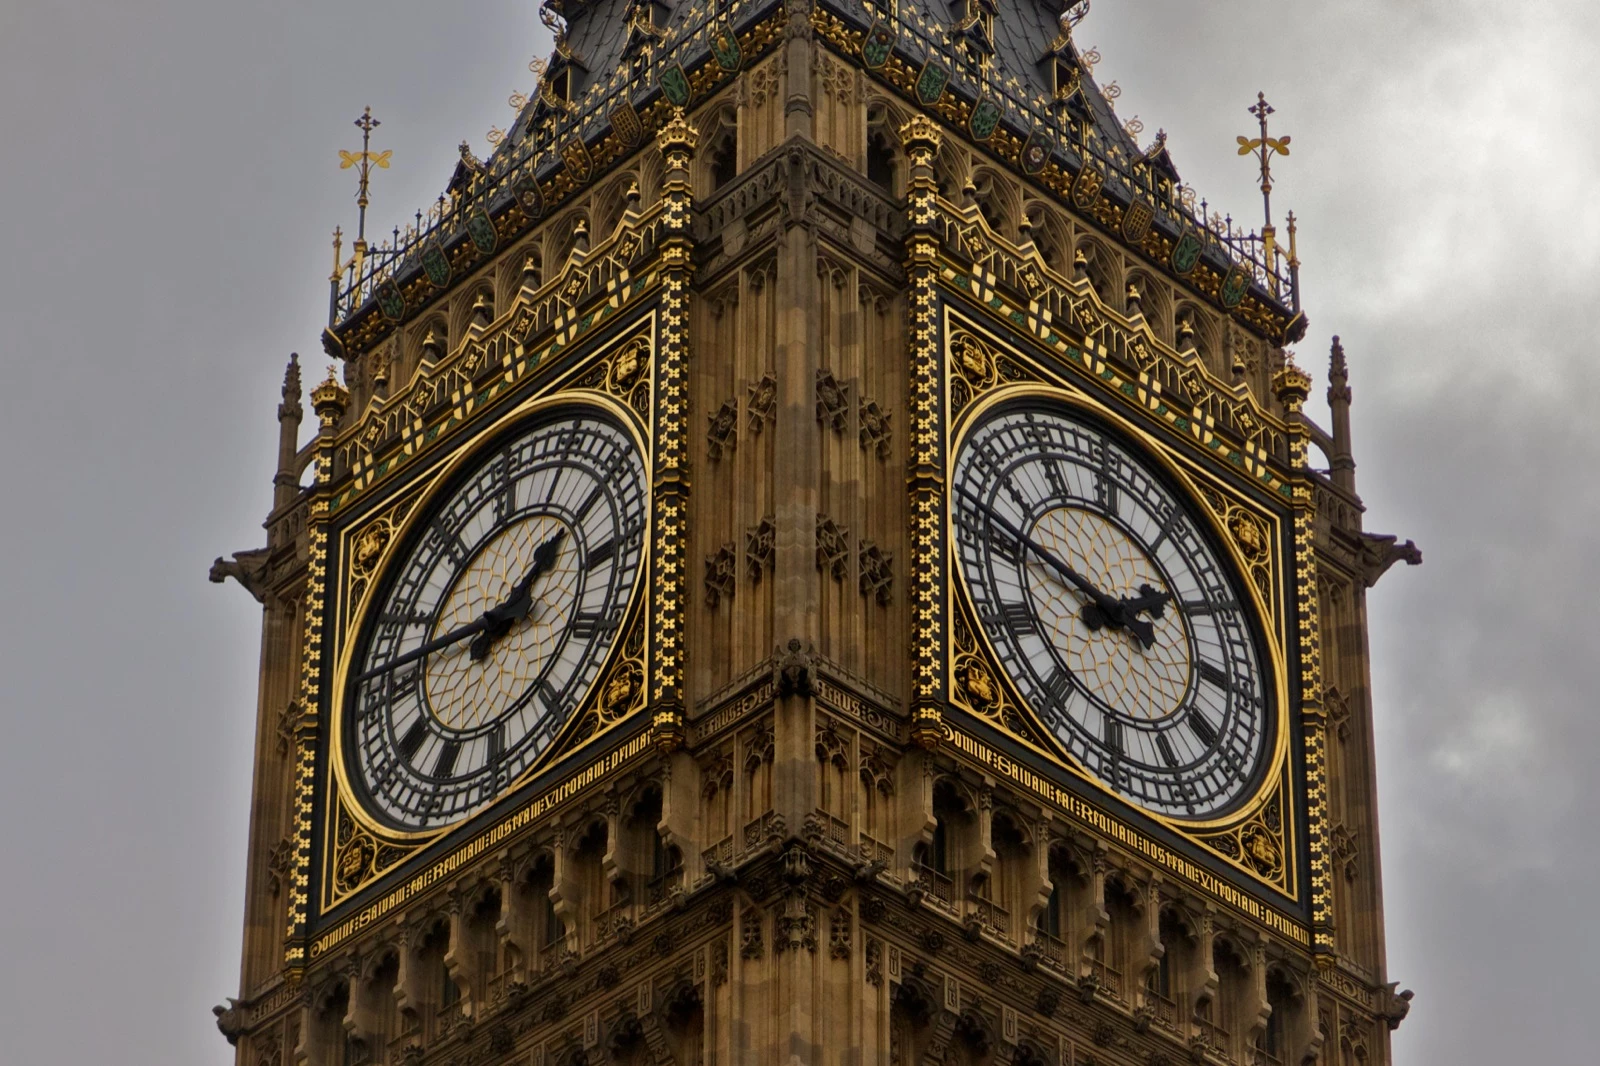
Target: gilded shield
[(435, 264), (675, 85), (529, 197), (1234, 286), (625, 121), (481, 229), (576, 155), (985, 117), (931, 82), (1086, 187), (1136, 221), (391, 301), (877, 45), (1035, 152)]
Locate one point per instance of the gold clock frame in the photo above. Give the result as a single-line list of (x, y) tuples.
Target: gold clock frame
[(1259, 837), (355, 849)]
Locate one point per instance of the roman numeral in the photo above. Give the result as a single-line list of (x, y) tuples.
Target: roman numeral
[(405, 618), (404, 685), (586, 625), (1214, 674), (1004, 546), (447, 760), (588, 505), (413, 739), (1059, 686), (550, 697), (1106, 485), (1018, 617), (450, 542), (1114, 736), (1164, 746), (1203, 730), (1053, 478), (603, 553)]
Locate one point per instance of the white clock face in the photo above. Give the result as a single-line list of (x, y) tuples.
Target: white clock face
[(497, 620), (1110, 609)]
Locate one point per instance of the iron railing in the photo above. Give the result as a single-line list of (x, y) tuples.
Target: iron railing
[(356, 281)]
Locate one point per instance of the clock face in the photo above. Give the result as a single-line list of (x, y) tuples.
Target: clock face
[(497, 620), (1110, 609)]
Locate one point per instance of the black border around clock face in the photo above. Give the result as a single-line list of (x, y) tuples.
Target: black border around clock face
[(518, 578), (1111, 608)]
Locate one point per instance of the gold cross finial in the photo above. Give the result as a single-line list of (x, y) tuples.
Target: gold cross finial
[(365, 159), (1265, 147)]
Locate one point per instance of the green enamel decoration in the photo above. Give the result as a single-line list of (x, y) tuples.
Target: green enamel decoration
[(1186, 253), (1234, 286), (985, 117), (481, 229), (725, 46), (877, 46), (675, 85), (391, 302), (435, 264), (931, 82)]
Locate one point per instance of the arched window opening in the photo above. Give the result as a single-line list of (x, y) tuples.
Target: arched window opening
[(592, 894), (722, 151), (881, 160), (1273, 1044), (1012, 856), (1115, 959)]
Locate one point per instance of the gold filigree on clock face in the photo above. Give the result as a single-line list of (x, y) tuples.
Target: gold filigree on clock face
[(1147, 683), (462, 693)]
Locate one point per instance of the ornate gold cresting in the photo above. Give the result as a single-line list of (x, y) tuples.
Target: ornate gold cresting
[(670, 482), (363, 161), (1293, 386), (925, 478), (1265, 147), (329, 400)]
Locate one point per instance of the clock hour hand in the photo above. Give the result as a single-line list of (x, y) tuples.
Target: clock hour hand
[(497, 621), (1102, 610)]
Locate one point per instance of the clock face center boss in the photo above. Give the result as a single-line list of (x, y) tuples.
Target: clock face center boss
[(498, 615), (1110, 608)]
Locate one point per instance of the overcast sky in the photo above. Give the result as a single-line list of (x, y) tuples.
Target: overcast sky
[(169, 180)]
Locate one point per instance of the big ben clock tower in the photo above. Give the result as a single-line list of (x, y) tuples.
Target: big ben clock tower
[(813, 553)]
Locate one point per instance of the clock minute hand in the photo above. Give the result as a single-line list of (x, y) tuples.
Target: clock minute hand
[(426, 649), (1103, 610)]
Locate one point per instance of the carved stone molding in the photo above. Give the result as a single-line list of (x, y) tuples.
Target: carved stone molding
[(759, 543)]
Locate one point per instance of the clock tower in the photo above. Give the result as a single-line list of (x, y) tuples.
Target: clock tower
[(813, 552)]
